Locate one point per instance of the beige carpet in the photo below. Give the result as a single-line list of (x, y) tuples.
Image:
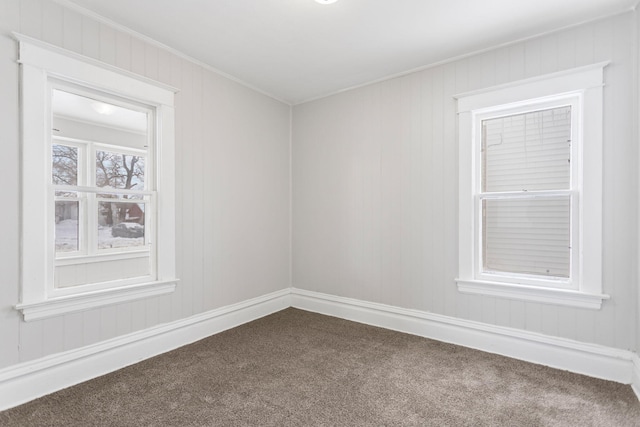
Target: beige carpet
[(296, 368)]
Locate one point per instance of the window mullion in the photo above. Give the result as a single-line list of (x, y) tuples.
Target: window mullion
[(92, 204)]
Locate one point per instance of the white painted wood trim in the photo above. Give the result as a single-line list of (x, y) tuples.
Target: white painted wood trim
[(583, 77), (586, 83), (574, 356), (40, 61), (30, 380), (563, 297), (45, 55), (635, 383), (84, 301)]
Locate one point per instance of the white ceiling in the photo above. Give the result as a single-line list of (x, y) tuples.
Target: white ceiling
[(297, 50)]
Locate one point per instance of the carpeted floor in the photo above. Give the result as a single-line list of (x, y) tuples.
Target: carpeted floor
[(296, 368)]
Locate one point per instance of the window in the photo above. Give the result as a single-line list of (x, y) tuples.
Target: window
[(102, 189), (526, 193), (530, 189), (98, 184)]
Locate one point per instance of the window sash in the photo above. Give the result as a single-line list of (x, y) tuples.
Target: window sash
[(527, 151), (100, 190), (529, 237), (508, 193), (88, 245)]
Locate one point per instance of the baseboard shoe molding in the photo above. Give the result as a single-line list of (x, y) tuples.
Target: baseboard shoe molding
[(29, 380), (588, 359), (635, 383)]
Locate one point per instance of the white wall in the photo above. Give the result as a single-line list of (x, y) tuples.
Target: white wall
[(232, 168), (375, 201), (637, 136)]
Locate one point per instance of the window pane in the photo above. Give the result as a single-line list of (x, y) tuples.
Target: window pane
[(66, 230), (527, 236), (64, 165), (528, 151), (120, 224), (119, 170)]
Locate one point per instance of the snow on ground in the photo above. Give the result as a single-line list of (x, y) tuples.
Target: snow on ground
[(67, 237)]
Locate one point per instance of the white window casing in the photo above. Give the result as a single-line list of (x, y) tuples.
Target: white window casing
[(42, 64), (577, 280)]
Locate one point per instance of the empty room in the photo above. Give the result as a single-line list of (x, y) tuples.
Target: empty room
[(320, 212)]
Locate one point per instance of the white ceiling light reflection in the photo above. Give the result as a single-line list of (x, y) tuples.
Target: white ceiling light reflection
[(102, 108), (76, 107)]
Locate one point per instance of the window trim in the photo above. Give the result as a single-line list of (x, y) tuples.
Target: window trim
[(40, 63), (586, 82)]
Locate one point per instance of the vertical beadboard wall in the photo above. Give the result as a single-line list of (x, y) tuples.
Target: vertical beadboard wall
[(375, 179), (232, 166)]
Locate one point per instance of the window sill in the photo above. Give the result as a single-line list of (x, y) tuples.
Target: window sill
[(80, 302), (563, 297)]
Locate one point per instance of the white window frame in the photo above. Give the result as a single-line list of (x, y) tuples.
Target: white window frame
[(40, 64), (582, 88)]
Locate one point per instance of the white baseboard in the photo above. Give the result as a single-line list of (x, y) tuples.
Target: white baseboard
[(635, 382), (574, 356), (30, 380)]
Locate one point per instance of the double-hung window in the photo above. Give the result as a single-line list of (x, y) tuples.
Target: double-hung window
[(102, 190), (530, 189), (98, 214)]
